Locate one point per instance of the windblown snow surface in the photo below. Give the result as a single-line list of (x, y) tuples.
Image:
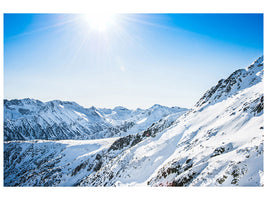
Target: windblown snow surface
[(219, 142)]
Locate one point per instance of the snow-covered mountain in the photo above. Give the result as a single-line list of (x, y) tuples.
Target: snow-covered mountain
[(219, 142), (30, 119), (237, 81)]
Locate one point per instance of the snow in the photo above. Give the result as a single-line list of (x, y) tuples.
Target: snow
[(223, 141), (81, 115), (141, 121), (75, 122), (219, 142), (70, 154)]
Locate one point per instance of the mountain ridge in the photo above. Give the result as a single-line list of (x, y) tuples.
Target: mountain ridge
[(32, 119), (227, 87), (219, 142)]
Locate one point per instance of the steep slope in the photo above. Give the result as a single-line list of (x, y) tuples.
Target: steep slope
[(29, 119), (66, 162), (222, 136), (51, 163), (219, 142), (237, 81), (220, 145)]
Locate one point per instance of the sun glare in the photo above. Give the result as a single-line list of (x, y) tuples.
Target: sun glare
[(99, 21)]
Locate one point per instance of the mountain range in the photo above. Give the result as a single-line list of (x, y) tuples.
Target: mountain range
[(218, 142), (29, 119)]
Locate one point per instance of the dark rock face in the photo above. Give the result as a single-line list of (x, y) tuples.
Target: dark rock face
[(184, 181), (132, 140), (222, 149), (259, 107), (24, 111), (78, 168), (176, 168), (255, 107)]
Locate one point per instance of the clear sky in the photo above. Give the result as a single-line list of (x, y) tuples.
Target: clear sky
[(132, 60)]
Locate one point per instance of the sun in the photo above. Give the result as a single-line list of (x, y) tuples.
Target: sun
[(99, 21)]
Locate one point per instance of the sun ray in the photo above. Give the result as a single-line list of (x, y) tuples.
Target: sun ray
[(99, 21)]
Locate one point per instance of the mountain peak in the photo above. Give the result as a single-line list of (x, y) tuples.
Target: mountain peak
[(120, 108), (258, 61), (238, 80), (156, 106)]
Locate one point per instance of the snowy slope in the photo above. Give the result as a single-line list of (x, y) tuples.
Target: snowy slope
[(239, 80), (219, 142), (29, 119), (66, 162), (49, 163), (220, 145)]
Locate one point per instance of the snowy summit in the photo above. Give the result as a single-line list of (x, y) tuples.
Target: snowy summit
[(218, 142)]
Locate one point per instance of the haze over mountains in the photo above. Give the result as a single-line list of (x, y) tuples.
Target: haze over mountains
[(218, 142)]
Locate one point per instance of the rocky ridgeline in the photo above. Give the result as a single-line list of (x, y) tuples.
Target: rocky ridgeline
[(219, 142), (238, 80), (30, 119)]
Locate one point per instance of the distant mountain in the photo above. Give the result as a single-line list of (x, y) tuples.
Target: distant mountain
[(29, 119), (218, 142)]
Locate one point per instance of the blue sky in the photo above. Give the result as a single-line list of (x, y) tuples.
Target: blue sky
[(137, 61)]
